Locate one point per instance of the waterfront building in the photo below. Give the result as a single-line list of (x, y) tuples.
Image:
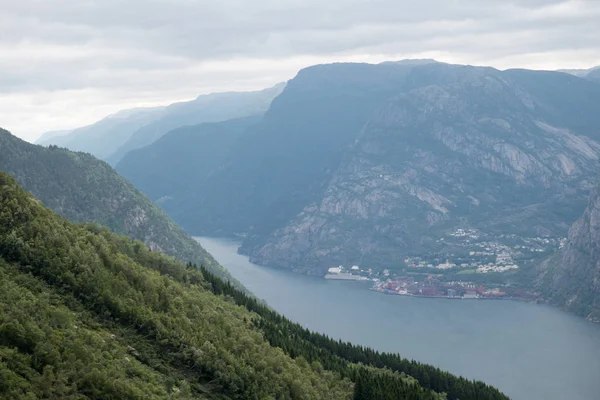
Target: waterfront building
[(335, 270)]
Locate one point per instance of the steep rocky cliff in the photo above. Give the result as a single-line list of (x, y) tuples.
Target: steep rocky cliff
[(472, 148), (571, 278), (360, 163)]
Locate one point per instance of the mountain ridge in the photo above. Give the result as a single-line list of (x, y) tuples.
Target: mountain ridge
[(509, 164), (85, 189), (115, 135), (361, 162), (105, 136), (199, 151), (214, 107)]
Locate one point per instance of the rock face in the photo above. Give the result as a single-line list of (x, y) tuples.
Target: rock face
[(359, 163), (571, 278), (474, 151)]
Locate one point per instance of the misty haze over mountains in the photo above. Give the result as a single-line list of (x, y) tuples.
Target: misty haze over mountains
[(363, 163), (117, 134), (300, 200), (114, 136), (369, 165)]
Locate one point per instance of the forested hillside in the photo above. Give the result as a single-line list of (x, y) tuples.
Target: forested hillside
[(85, 189), (85, 313)]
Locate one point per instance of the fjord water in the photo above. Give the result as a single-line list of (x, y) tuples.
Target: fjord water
[(529, 351)]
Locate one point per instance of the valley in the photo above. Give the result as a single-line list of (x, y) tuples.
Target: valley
[(300, 200), (86, 313), (371, 164), (426, 170), (517, 346)]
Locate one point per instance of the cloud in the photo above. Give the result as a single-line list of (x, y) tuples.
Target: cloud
[(65, 63)]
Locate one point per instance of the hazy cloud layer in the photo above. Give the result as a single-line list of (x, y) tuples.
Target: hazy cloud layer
[(64, 63)]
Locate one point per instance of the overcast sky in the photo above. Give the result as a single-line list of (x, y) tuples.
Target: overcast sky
[(67, 63)]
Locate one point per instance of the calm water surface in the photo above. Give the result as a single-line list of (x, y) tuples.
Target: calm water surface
[(530, 352)]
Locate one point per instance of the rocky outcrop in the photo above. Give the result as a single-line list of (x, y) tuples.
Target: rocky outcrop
[(571, 278)]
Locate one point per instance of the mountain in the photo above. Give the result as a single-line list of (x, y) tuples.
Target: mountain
[(166, 169), (571, 278), (89, 314), (213, 107), (474, 147), (106, 136), (581, 72), (282, 163), (117, 134), (592, 74), (85, 189), (371, 163), (52, 134)]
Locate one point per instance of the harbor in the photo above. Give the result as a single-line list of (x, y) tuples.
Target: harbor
[(428, 285)]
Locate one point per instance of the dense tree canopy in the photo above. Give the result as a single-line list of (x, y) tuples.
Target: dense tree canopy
[(85, 313), (85, 189)]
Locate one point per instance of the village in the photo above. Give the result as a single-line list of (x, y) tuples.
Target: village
[(424, 285), (433, 287), (473, 253)]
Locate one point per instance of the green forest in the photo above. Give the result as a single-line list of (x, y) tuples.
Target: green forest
[(88, 314), (82, 188)]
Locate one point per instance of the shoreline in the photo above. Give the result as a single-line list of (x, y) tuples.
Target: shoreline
[(389, 293)]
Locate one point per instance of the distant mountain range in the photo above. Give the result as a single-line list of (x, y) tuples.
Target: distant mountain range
[(105, 137), (592, 74), (368, 163), (52, 134), (114, 136), (168, 169)]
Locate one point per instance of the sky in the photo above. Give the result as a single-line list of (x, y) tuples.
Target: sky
[(68, 63)]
